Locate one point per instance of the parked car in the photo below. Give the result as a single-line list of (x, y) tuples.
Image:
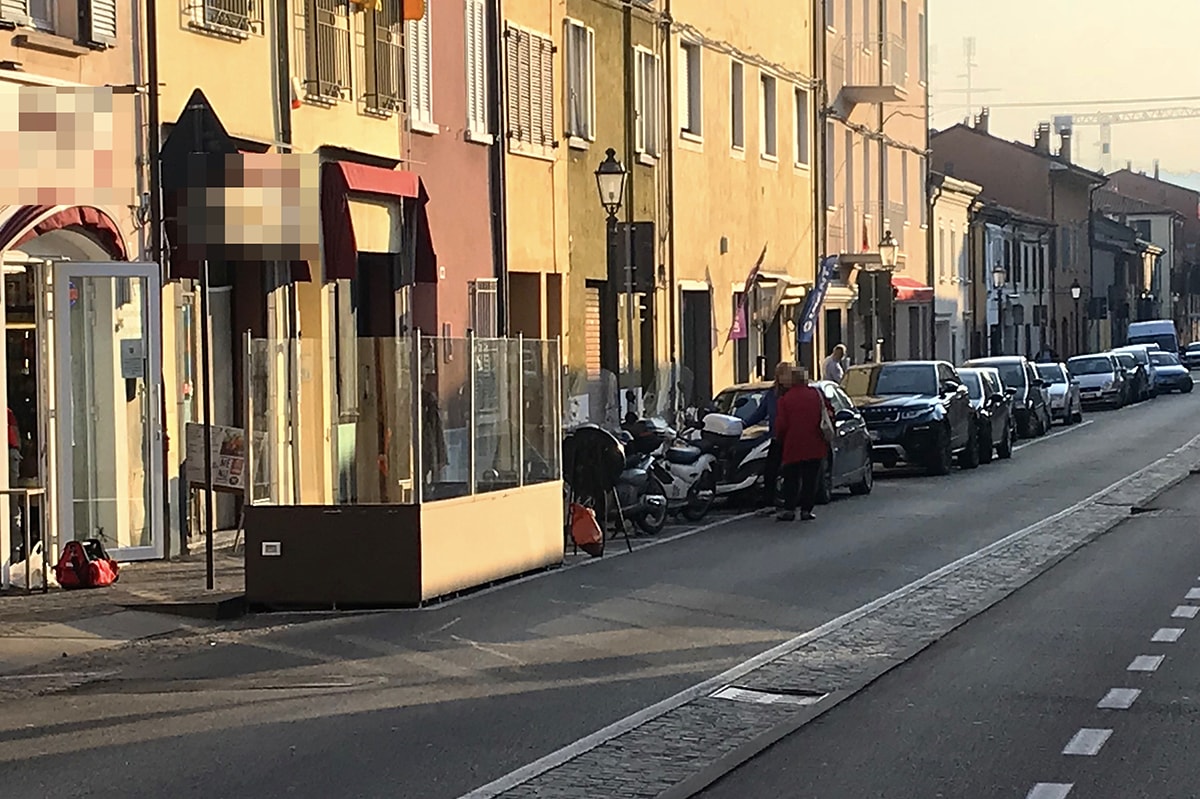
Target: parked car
[(1143, 388), (993, 412), (917, 412), (1103, 379), (1190, 356), (1066, 404), (1031, 402), (1137, 384), (1169, 374), (850, 464), (1157, 332)]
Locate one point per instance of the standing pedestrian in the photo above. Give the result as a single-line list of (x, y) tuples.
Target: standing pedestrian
[(767, 411), (834, 367), (803, 428)]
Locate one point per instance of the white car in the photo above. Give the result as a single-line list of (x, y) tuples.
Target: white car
[(1066, 404)]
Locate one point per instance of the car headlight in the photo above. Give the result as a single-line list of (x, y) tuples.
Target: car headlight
[(1106, 385), (917, 413)]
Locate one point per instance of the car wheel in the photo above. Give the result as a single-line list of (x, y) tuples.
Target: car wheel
[(825, 482), (969, 457), (943, 458), (864, 486), (984, 445), (1187, 387), (1005, 448)]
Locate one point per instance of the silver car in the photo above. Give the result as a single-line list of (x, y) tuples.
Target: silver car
[(1102, 379), (1066, 403)]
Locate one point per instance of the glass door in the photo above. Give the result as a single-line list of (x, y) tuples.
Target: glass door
[(108, 376)]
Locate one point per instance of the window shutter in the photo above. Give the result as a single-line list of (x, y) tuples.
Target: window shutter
[(100, 21), (589, 83), (524, 88), (476, 66), (420, 64), (685, 90), (573, 57), (16, 11), (537, 132), (512, 58), (546, 91), (639, 101)]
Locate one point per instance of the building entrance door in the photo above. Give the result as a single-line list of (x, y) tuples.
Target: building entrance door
[(107, 365)]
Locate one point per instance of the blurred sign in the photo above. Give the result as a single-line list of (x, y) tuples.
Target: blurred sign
[(228, 456), (133, 354)]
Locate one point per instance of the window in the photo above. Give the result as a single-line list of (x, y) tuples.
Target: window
[(904, 186), (646, 104), (690, 97), (238, 18), (530, 81), (381, 37), (942, 254), (829, 14), (770, 130), (801, 126), (41, 14), (326, 72), (923, 47), (963, 259), (737, 105), (420, 72), (477, 82), (581, 81), (923, 176)]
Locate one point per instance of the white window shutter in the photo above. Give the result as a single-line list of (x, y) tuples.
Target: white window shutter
[(419, 62), (639, 101), (546, 93), (524, 88), (101, 21), (512, 59), (477, 89), (589, 83), (15, 11)]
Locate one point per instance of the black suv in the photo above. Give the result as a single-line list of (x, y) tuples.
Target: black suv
[(918, 412), (1031, 401)]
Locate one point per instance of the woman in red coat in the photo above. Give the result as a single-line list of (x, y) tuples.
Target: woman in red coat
[(804, 446)]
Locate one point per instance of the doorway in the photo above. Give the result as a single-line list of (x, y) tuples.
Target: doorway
[(107, 369), (696, 352)]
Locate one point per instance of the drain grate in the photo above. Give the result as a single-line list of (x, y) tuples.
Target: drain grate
[(796, 698)]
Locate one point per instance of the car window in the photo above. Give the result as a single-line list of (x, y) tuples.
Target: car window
[(974, 385), (740, 403), (839, 403), (1030, 373), (1051, 373), (947, 373), (1126, 359), (1012, 375), (1164, 359), (1194, 347), (1090, 366), (845, 400), (891, 379)]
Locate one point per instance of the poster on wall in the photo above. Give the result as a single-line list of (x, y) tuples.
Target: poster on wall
[(228, 456)]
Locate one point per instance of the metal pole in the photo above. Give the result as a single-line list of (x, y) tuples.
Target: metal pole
[(248, 412), (628, 297), (520, 409), (206, 381), (1000, 320), (417, 379), (1078, 329), (472, 418)]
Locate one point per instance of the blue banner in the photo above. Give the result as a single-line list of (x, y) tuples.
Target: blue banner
[(816, 298)]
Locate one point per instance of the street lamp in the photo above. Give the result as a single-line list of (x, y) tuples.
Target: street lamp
[(888, 251), (610, 183), (1076, 292), (999, 278)]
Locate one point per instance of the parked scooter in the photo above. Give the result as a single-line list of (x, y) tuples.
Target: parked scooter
[(712, 460), (641, 494), (598, 464)]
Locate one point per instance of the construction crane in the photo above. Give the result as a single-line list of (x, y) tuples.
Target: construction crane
[(1106, 119)]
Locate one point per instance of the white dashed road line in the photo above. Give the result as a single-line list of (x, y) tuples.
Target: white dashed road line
[(1167, 635), (1185, 612), (1087, 742), (1049, 436), (1119, 698), (1146, 663), (1193, 593), (1050, 790)]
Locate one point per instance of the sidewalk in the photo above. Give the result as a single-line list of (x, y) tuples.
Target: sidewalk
[(151, 599)]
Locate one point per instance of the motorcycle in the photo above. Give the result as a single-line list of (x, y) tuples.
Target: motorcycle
[(712, 460), (640, 494)]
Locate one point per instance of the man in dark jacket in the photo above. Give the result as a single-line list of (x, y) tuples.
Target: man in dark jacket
[(767, 411)]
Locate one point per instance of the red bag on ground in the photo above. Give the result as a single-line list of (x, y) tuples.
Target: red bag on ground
[(86, 564), (585, 530)]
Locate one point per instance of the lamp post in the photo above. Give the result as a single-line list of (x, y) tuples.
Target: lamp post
[(999, 278), (610, 183), (888, 252), (1076, 291)]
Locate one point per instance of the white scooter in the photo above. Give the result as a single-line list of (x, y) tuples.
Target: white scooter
[(692, 468)]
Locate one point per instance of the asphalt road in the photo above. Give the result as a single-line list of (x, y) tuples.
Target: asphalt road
[(433, 703), (1033, 698)]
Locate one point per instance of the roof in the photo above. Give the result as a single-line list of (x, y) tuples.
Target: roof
[(1112, 202), (1079, 171), (992, 210)]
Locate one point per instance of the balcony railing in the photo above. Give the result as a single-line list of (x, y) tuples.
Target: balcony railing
[(235, 18), (875, 63), (323, 52)]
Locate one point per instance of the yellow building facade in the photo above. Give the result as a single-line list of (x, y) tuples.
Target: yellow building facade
[(741, 126)]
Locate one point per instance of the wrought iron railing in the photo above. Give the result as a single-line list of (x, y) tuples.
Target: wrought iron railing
[(326, 40), (231, 17), (385, 54)]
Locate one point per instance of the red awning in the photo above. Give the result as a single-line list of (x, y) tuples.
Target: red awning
[(16, 230), (911, 290), (340, 179)]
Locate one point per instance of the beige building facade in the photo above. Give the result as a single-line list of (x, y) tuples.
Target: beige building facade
[(742, 125)]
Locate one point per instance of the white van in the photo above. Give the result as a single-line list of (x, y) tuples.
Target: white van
[(1159, 332)]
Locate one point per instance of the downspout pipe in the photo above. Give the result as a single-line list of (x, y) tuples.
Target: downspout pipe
[(933, 193), (497, 169), (673, 321), (154, 136), (820, 103), (283, 91), (1091, 258)]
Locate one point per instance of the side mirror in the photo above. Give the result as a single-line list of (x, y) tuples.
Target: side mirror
[(1011, 392), (997, 397), (1039, 383), (740, 401), (844, 415), (949, 387)]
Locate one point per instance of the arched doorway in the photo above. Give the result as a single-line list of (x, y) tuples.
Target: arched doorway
[(82, 330)]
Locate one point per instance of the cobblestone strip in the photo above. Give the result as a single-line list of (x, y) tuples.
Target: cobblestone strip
[(678, 744)]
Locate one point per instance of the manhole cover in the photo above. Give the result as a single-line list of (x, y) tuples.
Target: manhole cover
[(797, 698)]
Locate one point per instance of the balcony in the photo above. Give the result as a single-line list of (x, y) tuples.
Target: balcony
[(870, 71)]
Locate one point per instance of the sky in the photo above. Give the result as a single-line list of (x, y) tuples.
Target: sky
[(1073, 51)]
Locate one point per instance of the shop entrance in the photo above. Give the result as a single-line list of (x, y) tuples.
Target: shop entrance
[(107, 378)]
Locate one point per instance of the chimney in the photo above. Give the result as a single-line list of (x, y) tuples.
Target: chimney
[(1156, 169), (1064, 151), (1129, 166), (981, 121), (1041, 138)]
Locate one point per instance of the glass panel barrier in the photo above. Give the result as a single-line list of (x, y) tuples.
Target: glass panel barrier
[(446, 392), (541, 411), (497, 419)]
